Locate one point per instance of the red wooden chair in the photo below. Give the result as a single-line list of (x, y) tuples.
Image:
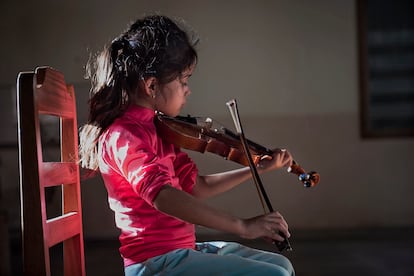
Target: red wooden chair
[(45, 92)]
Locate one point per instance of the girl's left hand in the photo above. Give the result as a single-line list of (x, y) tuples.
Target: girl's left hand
[(281, 158)]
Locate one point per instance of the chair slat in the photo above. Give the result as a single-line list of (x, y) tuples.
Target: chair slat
[(62, 228)]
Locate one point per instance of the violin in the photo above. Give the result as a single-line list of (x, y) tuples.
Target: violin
[(206, 135)]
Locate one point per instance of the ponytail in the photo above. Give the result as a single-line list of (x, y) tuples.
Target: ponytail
[(108, 101)]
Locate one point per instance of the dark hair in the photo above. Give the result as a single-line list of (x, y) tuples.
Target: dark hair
[(154, 46)]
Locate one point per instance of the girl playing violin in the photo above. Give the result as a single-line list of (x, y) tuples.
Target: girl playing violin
[(153, 187)]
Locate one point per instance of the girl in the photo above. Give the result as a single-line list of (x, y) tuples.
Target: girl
[(153, 187)]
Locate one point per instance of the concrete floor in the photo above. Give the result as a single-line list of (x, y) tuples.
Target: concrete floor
[(315, 253)]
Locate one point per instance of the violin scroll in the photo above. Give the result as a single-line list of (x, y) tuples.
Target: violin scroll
[(309, 179)]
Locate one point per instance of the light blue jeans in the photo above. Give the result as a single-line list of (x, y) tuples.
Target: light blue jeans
[(214, 258)]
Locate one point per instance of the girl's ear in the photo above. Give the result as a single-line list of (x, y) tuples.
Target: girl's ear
[(150, 85)]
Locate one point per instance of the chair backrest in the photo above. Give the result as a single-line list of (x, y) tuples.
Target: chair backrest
[(46, 92)]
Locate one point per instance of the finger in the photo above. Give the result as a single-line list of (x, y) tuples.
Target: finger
[(275, 215), (288, 160), (282, 232), (280, 220), (279, 235), (279, 223), (284, 159), (275, 235)]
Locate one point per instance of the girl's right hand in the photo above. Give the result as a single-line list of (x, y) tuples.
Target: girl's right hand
[(268, 226)]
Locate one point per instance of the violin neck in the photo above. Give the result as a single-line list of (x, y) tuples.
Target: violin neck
[(257, 147)]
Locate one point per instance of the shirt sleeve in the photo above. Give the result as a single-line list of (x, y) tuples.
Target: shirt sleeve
[(135, 160), (186, 170)]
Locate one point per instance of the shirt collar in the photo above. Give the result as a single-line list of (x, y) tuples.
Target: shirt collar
[(140, 113)]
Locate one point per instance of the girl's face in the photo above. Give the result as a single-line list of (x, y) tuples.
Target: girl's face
[(172, 96)]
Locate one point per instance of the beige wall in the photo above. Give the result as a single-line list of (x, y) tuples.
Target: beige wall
[(292, 65)]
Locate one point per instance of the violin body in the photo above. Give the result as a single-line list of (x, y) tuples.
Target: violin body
[(206, 135)]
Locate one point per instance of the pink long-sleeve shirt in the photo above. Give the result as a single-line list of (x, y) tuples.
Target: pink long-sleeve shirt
[(135, 164)]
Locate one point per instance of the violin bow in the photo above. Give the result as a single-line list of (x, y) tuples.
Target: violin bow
[(232, 105)]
